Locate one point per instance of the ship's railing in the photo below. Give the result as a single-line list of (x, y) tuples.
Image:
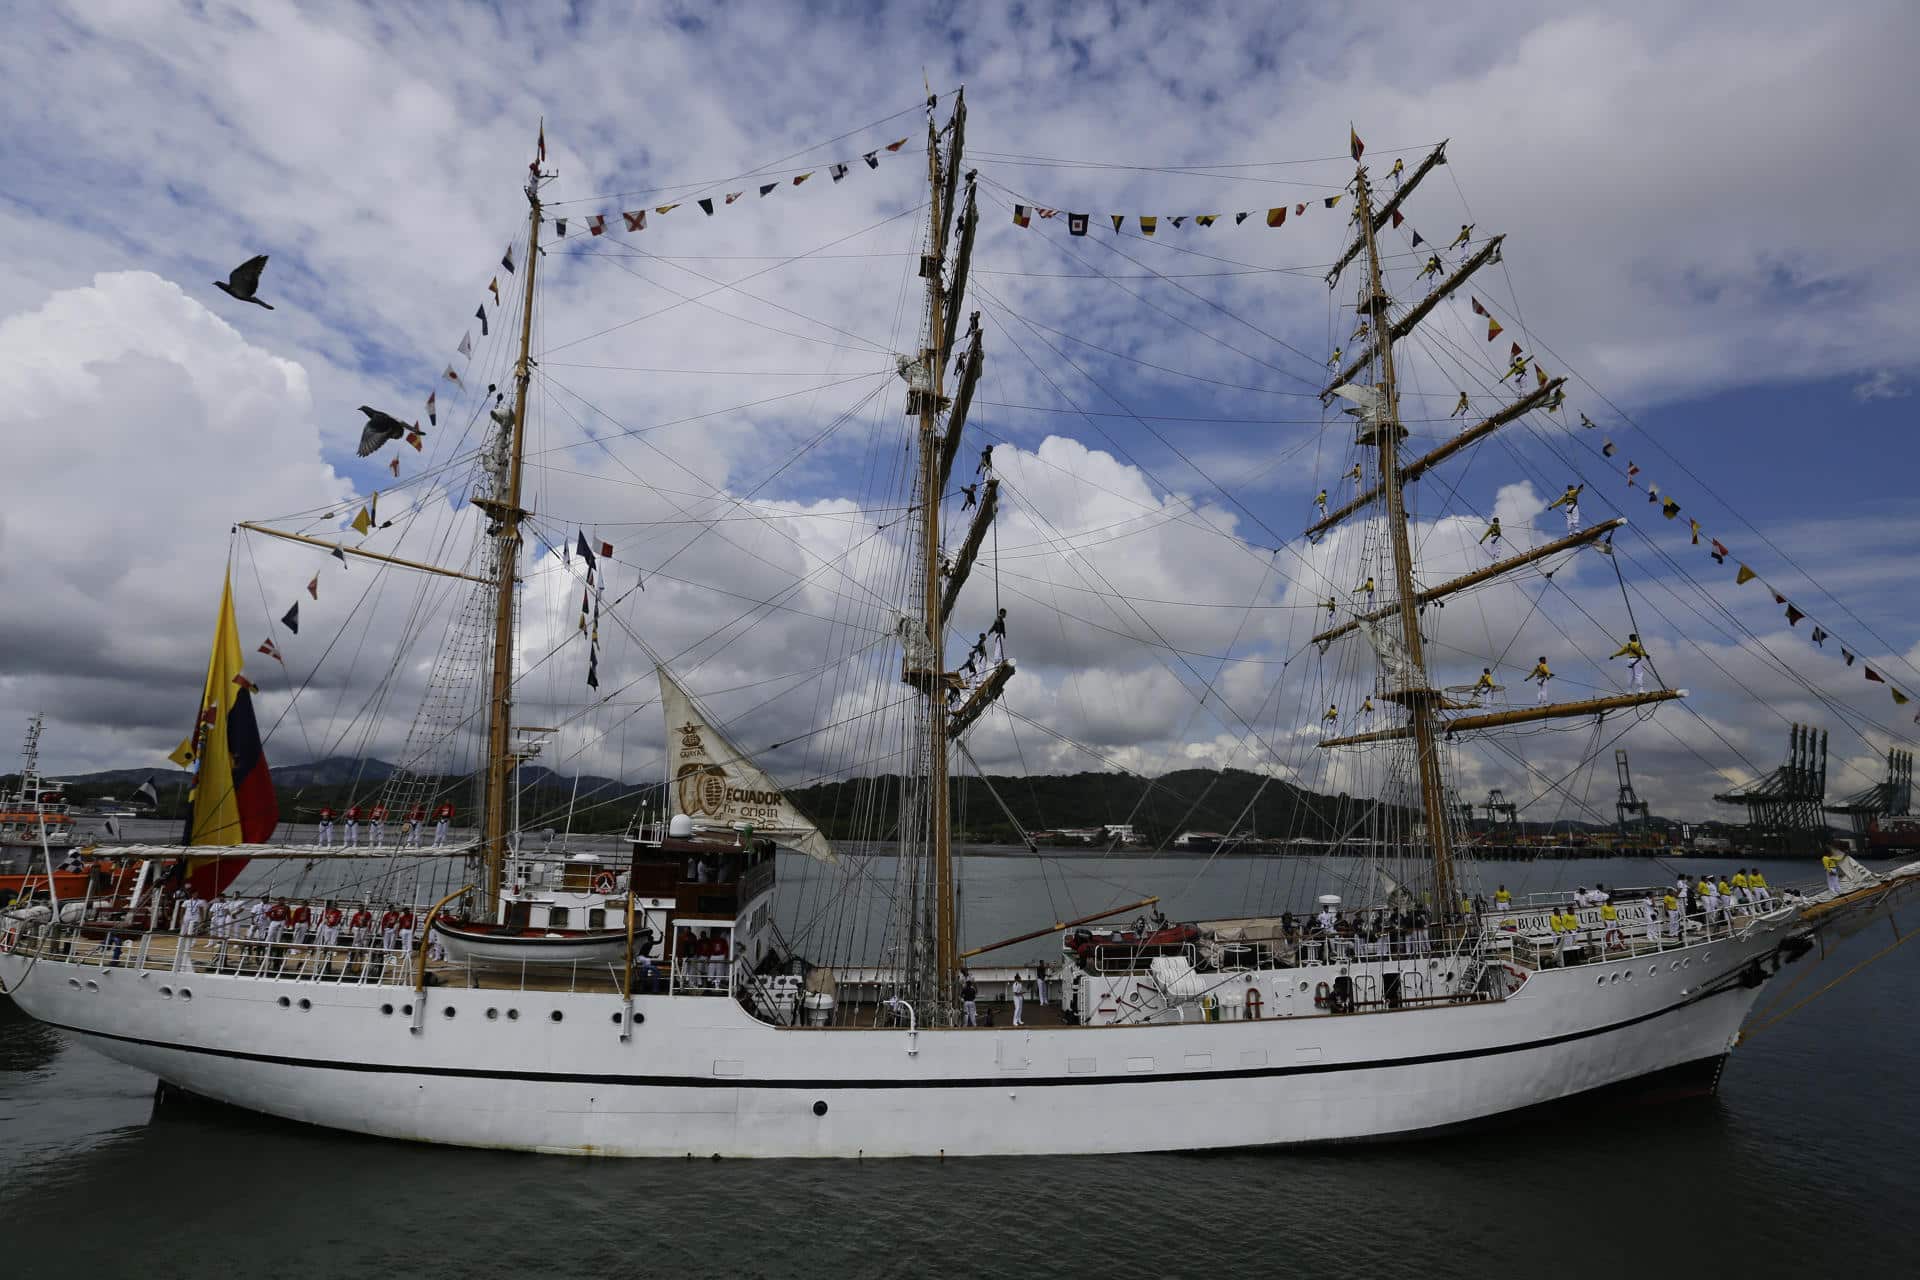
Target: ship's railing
[(343, 963)]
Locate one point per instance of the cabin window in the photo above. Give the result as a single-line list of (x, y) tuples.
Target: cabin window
[(556, 917), (597, 918)]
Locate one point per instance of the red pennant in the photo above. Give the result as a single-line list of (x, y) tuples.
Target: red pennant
[(1875, 676)]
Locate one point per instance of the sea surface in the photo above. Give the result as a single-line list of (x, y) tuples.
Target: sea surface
[(1803, 1165)]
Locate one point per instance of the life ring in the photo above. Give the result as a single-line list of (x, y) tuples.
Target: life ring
[(1321, 995), (1616, 941), (604, 883)]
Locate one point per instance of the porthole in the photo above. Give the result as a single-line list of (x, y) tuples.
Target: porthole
[(820, 1108), (285, 1003), (1653, 970), (74, 983), (1303, 986), (186, 993), (616, 1018), (493, 1015), (556, 1015), (447, 1012), (1600, 981), (305, 1003), (92, 985), (1675, 967), (407, 1009), (638, 1017), (387, 1009), (166, 993), (1628, 975), (1687, 963), (513, 1015)]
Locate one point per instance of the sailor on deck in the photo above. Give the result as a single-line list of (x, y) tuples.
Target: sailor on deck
[(193, 916), (389, 928), (1740, 894), (415, 816), (330, 920), (1541, 675), (362, 925), (1757, 885), (1709, 890), (277, 915), (326, 826), (1483, 687), (353, 828), (258, 913), (1040, 982), (1019, 992), (442, 815), (1571, 501), (1502, 899), (969, 993), (301, 918), (1725, 891), (406, 929), (1831, 865), (1672, 904), (1638, 666)]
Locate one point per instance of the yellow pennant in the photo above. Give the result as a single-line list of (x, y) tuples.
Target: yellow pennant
[(362, 522), (1745, 575)]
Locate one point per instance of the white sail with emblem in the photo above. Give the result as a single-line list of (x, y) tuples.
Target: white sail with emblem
[(713, 782)]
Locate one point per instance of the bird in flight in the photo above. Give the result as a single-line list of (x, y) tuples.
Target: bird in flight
[(380, 428), (244, 280)]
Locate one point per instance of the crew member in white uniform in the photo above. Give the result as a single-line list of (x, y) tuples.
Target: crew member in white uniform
[(1019, 990), (195, 915), (259, 912)]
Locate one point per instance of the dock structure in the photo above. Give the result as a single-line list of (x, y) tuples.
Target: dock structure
[(1892, 798), (1786, 812)]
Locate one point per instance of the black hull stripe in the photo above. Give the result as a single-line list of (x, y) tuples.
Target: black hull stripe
[(974, 1082)]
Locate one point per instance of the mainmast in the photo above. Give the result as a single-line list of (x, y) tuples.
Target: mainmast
[(506, 513), (1416, 693), (933, 968)]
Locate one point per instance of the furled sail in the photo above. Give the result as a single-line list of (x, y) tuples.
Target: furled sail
[(713, 782)]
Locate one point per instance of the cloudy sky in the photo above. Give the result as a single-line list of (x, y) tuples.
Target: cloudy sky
[(1706, 214)]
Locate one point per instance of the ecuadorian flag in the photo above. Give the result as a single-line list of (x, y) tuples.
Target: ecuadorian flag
[(233, 801)]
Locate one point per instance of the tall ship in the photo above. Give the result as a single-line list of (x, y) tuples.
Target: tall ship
[(734, 982)]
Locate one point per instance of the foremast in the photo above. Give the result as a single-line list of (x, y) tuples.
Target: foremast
[(506, 513), (1379, 411), (1416, 692)]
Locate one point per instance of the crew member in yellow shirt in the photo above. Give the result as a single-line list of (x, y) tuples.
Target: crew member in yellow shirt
[(1740, 886), (1831, 865), (1726, 899), (1502, 899), (1672, 904), (1757, 885)]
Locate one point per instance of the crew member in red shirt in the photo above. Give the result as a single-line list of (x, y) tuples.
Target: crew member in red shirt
[(442, 815), (406, 929), (277, 920), (379, 825), (330, 926), (362, 924), (326, 825), (415, 816), (389, 928), (353, 827), (302, 920)]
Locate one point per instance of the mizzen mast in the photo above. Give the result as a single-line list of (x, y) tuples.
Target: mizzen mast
[(505, 511)]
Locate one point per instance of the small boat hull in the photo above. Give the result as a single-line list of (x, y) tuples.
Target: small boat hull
[(503, 944)]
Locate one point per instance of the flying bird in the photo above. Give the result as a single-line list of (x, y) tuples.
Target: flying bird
[(380, 428), (244, 280)]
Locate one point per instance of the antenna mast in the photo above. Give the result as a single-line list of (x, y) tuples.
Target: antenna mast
[(506, 513), (1417, 696)]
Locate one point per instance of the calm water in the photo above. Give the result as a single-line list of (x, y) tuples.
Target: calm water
[(1803, 1165)]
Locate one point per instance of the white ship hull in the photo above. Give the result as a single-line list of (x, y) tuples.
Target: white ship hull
[(700, 1076)]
